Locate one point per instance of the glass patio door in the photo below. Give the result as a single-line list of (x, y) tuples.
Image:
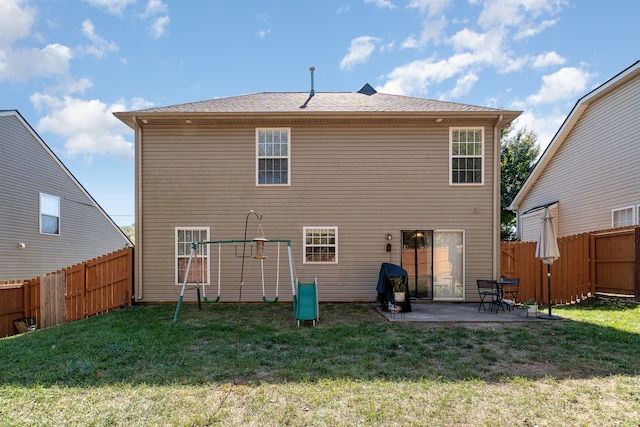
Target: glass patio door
[(417, 260), (434, 261)]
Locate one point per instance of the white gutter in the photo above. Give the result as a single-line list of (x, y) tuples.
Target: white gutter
[(496, 196), (138, 209)]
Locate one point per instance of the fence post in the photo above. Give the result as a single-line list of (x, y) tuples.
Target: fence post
[(636, 263)]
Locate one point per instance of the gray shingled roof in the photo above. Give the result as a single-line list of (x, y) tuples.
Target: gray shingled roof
[(329, 102)]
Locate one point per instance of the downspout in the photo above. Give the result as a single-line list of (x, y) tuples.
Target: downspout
[(138, 211), (496, 196)]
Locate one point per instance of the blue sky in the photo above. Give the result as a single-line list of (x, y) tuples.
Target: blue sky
[(67, 65)]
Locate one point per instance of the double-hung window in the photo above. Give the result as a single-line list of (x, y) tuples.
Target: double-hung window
[(320, 245), (273, 156), (622, 217), (49, 214), (199, 268), (466, 148)]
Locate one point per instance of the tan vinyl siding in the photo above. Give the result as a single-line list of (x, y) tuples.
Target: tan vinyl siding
[(596, 168), (28, 169), (366, 180)]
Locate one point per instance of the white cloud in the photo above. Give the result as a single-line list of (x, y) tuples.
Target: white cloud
[(359, 52), (430, 7), (16, 19), (518, 13), (156, 7), (381, 3), (88, 127), (100, 46), (464, 85), (158, 27), (23, 64), (566, 83), (547, 59), (416, 76), (544, 126), (431, 31), (115, 7), (261, 34)]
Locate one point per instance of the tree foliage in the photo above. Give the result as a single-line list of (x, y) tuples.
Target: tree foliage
[(518, 154)]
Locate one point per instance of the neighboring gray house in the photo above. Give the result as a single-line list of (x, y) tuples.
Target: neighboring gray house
[(352, 179), (48, 220), (590, 173)]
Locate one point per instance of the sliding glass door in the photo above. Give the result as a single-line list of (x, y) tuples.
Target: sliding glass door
[(434, 261)]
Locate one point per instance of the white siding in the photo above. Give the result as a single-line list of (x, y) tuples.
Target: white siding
[(366, 180), (596, 168)]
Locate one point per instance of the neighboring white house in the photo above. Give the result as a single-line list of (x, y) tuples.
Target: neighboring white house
[(590, 173), (352, 179), (48, 220)]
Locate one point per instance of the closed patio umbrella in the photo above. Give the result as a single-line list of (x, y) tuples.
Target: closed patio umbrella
[(547, 248)]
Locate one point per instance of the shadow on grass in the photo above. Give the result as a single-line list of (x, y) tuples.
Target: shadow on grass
[(142, 345)]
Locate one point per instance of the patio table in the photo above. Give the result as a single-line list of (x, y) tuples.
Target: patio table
[(500, 287)]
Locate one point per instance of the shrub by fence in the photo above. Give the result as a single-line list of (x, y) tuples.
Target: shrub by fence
[(85, 289), (595, 262)]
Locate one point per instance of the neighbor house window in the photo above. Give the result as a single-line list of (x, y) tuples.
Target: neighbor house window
[(622, 217), (320, 245), (272, 146), (466, 149), (199, 269), (49, 214)]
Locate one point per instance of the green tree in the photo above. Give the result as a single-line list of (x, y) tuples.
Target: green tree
[(129, 230), (518, 154)]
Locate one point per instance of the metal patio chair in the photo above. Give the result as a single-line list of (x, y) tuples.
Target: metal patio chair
[(488, 292)]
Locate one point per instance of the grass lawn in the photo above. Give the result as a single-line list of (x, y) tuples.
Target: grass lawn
[(137, 367)]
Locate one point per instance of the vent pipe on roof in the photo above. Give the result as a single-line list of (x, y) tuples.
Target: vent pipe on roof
[(312, 92)]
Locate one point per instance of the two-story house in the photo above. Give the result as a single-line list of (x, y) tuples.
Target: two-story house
[(351, 179)]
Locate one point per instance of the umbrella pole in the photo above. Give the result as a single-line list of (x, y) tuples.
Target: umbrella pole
[(549, 286)]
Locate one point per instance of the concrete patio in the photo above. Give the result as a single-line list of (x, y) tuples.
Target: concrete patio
[(457, 312)]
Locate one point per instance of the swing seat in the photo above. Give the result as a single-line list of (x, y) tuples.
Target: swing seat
[(305, 302), (265, 299)]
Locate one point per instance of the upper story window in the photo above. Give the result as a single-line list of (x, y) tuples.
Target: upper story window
[(49, 214), (320, 245), (272, 156), (466, 148), (622, 217)]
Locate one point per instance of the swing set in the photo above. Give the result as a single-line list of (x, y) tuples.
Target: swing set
[(305, 295)]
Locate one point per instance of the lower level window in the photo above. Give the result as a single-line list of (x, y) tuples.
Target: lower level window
[(321, 245), (199, 268), (622, 217)]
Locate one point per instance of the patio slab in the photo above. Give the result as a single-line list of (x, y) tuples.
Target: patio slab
[(456, 312)]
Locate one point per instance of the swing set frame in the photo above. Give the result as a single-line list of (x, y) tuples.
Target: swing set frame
[(202, 296)]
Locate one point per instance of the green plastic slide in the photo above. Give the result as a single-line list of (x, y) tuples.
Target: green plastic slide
[(305, 302)]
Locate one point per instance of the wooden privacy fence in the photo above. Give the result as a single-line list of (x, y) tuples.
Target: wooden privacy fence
[(595, 262), (91, 287)]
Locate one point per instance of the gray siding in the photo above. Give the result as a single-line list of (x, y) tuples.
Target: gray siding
[(366, 180), (28, 169), (596, 168)]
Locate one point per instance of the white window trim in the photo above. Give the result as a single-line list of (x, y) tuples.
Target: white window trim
[(633, 215), (304, 244), (482, 156), (40, 215), (288, 156), (207, 256)]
